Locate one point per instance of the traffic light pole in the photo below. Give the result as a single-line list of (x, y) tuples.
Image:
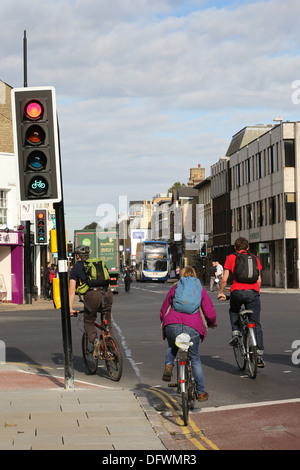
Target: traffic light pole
[(27, 244), (36, 137), (64, 293), (64, 288)]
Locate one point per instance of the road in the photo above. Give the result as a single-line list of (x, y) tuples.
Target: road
[(34, 338)]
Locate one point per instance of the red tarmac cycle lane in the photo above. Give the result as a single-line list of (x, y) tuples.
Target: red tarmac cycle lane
[(273, 426)]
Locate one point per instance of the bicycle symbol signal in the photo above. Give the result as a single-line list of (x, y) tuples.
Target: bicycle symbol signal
[(38, 184)]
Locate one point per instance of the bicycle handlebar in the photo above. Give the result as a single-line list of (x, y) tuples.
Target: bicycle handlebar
[(227, 298), (80, 312)]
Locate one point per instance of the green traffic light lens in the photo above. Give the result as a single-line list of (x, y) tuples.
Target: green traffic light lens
[(37, 160), (38, 186), (35, 135)]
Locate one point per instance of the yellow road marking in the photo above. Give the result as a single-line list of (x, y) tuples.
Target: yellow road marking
[(185, 429), (37, 366)]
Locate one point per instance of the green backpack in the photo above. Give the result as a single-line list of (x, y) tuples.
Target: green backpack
[(97, 275)]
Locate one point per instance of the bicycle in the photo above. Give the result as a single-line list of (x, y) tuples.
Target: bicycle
[(109, 351), (245, 349), (186, 385)]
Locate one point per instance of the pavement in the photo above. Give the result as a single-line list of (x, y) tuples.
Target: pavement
[(37, 412)]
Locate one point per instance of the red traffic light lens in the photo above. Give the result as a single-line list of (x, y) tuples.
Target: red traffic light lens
[(33, 110), (41, 215), (35, 135)]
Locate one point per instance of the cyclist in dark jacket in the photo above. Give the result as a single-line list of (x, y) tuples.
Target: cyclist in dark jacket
[(92, 298)]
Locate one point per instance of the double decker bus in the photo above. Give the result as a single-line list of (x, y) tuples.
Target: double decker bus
[(152, 261)]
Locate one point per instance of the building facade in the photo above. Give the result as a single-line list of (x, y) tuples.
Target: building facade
[(11, 241), (265, 201)]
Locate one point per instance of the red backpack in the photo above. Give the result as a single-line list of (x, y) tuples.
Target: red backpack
[(52, 275)]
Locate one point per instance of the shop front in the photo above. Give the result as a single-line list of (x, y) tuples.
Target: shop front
[(11, 267)]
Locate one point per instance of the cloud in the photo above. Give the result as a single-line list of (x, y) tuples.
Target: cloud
[(147, 89)]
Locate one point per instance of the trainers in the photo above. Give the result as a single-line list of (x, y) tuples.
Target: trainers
[(203, 396), (167, 373), (234, 341), (235, 338), (260, 362), (96, 352)]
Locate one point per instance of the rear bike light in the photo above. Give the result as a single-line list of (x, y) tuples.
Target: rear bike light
[(182, 363), (251, 325)]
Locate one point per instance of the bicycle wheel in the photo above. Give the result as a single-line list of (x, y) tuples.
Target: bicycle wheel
[(113, 358), (251, 356), (239, 354), (185, 394), (192, 394), (87, 353)]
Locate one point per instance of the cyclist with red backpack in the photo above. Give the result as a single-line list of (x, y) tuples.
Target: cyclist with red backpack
[(245, 290)]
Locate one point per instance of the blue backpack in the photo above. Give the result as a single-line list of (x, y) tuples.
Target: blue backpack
[(187, 298)]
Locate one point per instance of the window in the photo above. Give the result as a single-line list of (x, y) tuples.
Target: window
[(289, 153), (248, 170), (249, 216), (3, 207), (258, 165), (279, 208), (260, 213), (272, 210), (290, 206), (271, 159), (238, 175)]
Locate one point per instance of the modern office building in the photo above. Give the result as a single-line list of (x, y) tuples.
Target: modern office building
[(265, 201)]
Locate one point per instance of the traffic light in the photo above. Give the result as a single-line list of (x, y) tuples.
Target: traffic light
[(70, 250), (203, 251), (36, 143), (41, 226)]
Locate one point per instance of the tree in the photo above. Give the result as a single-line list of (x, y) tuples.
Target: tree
[(175, 186), (91, 226)]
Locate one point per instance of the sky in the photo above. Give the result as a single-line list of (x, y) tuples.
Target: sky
[(147, 89)]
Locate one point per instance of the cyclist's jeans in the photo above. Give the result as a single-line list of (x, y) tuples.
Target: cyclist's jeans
[(251, 300), (171, 332)]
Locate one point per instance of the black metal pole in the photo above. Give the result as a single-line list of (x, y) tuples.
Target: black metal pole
[(27, 242), (64, 293), (64, 288), (25, 59)]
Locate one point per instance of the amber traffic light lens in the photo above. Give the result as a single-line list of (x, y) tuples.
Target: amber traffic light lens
[(35, 135)]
